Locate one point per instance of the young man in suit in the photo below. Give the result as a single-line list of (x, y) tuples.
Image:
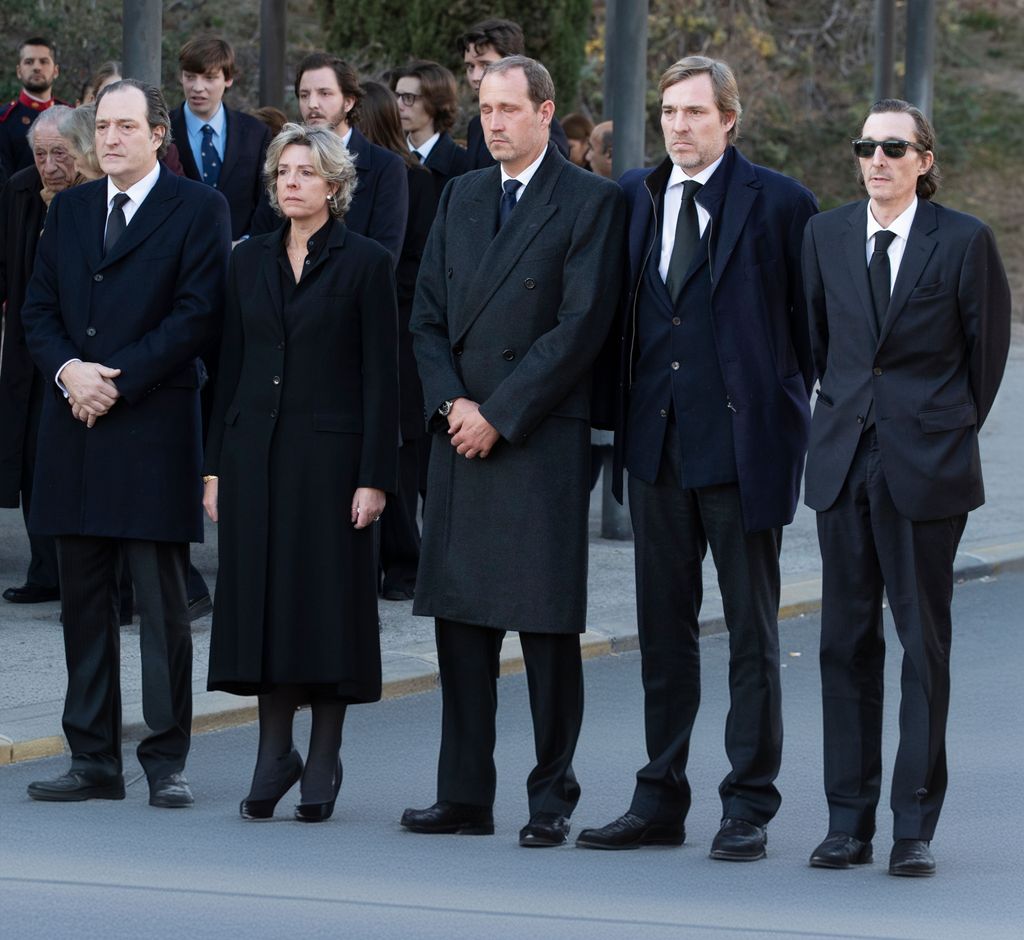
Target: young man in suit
[(910, 326), (482, 45), (515, 295), (428, 105), (328, 91), (219, 146), (712, 426), (127, 288)]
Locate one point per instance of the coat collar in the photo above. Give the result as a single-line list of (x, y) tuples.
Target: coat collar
[(361, 150), (918, 250), (854, 257)]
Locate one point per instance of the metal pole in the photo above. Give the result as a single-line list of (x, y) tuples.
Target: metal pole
[(885, 21), (627, 67), (919, 87), (607, 84), (273, 32), (141, 33)]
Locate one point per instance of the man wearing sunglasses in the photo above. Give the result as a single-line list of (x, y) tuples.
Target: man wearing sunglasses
[(910, 325)]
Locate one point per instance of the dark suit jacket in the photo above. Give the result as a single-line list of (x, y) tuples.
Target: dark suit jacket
[(480, 157), (932, 372), (445, 161), (146, 308), (241, 174), (513, 319), (760, 328), (380, 202)]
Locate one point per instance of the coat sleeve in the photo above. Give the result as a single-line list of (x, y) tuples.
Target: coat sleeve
[(378, 311), (560, 358), (390, 207), (805, 206), (814, 302), (984, 298), (195, 310), (429, 321)]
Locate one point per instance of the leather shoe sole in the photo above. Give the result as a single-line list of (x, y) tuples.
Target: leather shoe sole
[(31, 594), (839, 850), (76, 787), (631, 832)]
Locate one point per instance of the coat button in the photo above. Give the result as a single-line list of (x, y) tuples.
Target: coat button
[(451, 271), (508, 355), (457, 350), (273, 413), (529, 283), (90, 331), (97, 277), (921, 794), (280, 345), (675, 365), (277, 380), (860, 419), (676, 321), (664, 412), (876, 370)]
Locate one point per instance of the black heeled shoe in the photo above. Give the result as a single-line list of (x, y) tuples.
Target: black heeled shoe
[(319, 812), (287, 773)]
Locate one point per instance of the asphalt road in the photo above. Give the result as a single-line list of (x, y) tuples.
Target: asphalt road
[(125, 870)]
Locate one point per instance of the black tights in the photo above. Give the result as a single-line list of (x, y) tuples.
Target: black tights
[(323, 763)]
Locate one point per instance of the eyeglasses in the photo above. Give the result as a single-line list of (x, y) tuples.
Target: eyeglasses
[(407, 98), (893, 149)]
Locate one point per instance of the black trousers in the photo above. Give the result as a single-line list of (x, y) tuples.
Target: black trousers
[(399, 533), (866, 545), (468, 661), (42, 566), (89, 572), (672, 529)]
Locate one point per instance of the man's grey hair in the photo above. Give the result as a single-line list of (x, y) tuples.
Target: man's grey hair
[(330, 159), (157, 114), (46, 118), (538, 79)]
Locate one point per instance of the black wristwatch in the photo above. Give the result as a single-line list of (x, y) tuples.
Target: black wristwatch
[(446, 407)]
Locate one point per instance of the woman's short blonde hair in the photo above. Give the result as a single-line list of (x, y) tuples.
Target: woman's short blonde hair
[(330, 159), (78, 127)]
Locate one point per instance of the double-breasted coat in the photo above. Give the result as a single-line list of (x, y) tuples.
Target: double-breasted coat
[(513, 320), (306, 411)]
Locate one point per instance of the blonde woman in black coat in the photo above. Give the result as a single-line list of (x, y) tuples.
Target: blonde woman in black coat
[(302, 449)]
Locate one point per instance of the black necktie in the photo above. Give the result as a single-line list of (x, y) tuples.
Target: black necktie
[(508, 200), (880, 275), (211, 164), (116, 223), (418, 155), (687, 240)]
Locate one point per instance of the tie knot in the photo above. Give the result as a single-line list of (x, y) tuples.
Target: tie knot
[(690, 189), (511, 187), (883, 239), (120, 199), (207, 131)]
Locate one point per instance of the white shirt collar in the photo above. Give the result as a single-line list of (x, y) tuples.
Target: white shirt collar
[(347, 137), (424, 149), (194, 123), (525, 176), (680, 176), (136, 192), (900, 226)]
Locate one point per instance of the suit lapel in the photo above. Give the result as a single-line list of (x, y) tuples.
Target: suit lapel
[(855, 254), (730, 216), (90, 214), (918, 250), (155, 208), (180, 131), (232, 145), (272, 274)]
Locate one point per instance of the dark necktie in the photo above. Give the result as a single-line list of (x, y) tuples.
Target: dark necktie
[(418, 155), (508, 200), (687, 240), (116, 223), (880, 275), (211, 163)]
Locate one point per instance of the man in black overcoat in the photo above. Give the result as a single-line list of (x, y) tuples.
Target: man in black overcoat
[(715, 379), (910, 325), (127, 288), (517, 289)]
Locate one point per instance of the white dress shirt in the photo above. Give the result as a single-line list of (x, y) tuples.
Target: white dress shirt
[(424, 149), (900, 227), (673, 199), (523, 177)]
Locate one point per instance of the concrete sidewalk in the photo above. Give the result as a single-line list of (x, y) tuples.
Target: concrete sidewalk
[(32, 671)]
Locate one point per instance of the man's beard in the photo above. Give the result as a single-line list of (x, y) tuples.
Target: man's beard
[(37, 86)]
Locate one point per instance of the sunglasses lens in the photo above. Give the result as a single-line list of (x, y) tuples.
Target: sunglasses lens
[(894, 149)]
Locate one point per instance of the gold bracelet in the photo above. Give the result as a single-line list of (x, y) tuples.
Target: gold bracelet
[(209, 476)]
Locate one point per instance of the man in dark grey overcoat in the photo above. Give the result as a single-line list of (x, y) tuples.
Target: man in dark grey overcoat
[(515, 296)]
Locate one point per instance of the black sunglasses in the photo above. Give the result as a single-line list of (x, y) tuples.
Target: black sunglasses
[(893, 149)]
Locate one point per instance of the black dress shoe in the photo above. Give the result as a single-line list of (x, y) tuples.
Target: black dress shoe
[(462, 819), (170, 792), (739, 841), (397, 594), (78, 785), (199, 607), (912, 858), (840, 850), (285, 775), (31, 594), (630, 832), (320, 812), (543, 831)]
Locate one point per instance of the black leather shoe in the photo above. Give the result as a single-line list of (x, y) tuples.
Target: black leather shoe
[(739, 841), (912, 858), (285, 775), (630, 832), (78, 785), (320, 812), (397, 594), (543, 831), (31, 594), (463, 819), (840, 850), (170, 792), (199, 607)]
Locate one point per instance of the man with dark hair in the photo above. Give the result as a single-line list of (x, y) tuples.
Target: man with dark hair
[(219, 146), (910, 327), (328, 91), (480, 46), (126, 290), (515, 294), (428, 105), (37, 70), (599, 155), (712, 425)]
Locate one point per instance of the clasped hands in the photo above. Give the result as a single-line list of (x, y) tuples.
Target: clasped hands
[(91, 389), (472, 435)]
